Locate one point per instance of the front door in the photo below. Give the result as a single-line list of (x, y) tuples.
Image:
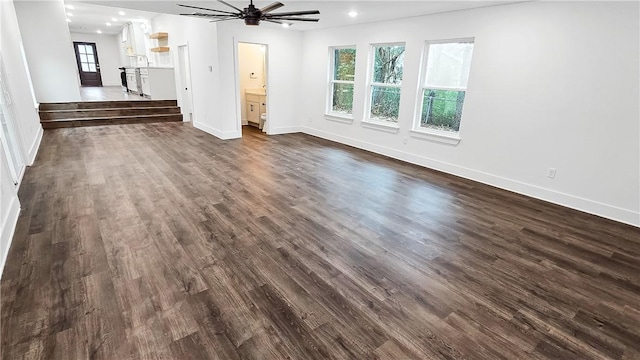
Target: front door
[(88, 65)]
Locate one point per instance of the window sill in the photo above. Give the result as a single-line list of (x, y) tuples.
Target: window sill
[(345, 119), (444, 137), (381, 126)]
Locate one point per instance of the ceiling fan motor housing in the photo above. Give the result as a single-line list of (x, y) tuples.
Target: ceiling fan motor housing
[(252, 15)]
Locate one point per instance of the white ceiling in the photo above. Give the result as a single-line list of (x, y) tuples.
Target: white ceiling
[(332, 13), (89, 18)]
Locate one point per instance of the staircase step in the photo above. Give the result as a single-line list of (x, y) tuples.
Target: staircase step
[(106, 104), (106, 112), (118, 120)]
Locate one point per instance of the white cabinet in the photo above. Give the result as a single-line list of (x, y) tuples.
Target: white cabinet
[(158, 83), (256, 105), (253, 111), (132, 83)]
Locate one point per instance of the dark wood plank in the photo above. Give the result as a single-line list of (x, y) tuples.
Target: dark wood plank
[(158, 241)]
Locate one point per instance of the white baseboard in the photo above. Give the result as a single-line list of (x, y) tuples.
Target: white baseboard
[(217, 133), (585, 205), (285, 130), (33, 150), (8, 228)]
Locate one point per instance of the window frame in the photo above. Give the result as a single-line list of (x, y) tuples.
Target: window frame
[(449, 137), (329, 113), (368, 120)]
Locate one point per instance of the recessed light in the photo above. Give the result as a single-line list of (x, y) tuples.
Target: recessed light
[(114, 19), (68, 20), (121, 13), (108, 24), (99, 31), (285, 25), (352, 13), (69, 14), (70, 7)]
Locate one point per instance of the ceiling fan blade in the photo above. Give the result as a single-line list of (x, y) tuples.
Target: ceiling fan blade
[(218, 20), (269, 8), (229, 5), (273, 21), (294, 19), (201, 8), (295, 13), (206, 15)]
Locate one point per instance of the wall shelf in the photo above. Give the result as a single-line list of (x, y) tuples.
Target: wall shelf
[(160, 49), (159, 35)]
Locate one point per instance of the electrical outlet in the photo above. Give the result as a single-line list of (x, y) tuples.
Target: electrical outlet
[(551, 173)]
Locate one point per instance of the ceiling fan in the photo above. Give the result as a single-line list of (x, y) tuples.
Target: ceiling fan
[(252, 15)]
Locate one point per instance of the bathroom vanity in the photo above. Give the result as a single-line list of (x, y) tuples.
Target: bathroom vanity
[(256, 103)]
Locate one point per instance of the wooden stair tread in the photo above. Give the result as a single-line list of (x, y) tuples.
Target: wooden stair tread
[(110, 117), (98, 113), (109, 109), (81, 105)]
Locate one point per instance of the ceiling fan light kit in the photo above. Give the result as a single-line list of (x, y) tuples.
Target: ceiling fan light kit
[(252, 15)]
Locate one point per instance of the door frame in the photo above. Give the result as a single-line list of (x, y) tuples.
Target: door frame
[(236, 69), (182, 69), (79, 65), (10, 141)]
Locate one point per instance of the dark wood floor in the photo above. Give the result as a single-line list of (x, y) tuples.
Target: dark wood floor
[(159, 241)]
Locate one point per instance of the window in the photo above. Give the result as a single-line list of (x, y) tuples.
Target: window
[(445, 84), (385, 82), (343, 69), (87, 59)]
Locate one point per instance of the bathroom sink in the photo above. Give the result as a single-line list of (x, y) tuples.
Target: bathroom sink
[(256, 91)]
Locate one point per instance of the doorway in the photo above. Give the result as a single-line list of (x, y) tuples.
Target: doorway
[(252, 81), (88, 64), (185, 83)]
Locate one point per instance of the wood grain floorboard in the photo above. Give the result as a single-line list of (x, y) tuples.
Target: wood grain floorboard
[(158, 241)]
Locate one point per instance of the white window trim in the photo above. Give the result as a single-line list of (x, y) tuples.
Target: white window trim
[(368, 121), (329, 113), (381, 125), (446, 137), (341, 118)]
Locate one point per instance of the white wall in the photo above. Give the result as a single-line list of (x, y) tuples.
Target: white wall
[(216, 94), (284, 71), (552, 84), (108, 55), (201, 38), (17, 83), (251, 60), (49, 50)]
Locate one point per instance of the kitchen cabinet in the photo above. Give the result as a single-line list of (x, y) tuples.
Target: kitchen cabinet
[(132, 81), (158, 83)]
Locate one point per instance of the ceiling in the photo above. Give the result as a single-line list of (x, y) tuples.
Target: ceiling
[(89, 18), (333, 13)]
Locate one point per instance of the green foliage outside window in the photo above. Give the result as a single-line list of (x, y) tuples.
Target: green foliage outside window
[(442, 109), (385, 103), (388, 64), (345, 64), (387, 69), (344, 70)]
